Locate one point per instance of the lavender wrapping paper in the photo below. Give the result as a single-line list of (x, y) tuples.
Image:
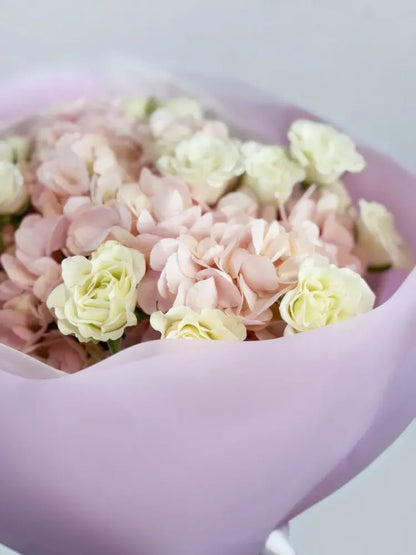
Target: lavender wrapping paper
[(198, 448)]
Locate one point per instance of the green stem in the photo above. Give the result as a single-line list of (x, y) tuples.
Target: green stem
[(4, 220), (380, 268), (140, 315), (305, 185), (152, 105), (114, 345)]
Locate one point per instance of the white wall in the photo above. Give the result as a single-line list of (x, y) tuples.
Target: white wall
[(352, 61)]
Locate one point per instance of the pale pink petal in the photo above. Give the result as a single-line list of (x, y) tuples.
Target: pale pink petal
[(186, 261), (334, 232), (145, 222), (167, 205), (236, 260), (304, 210), (66, 175), (229, 295), (74, 204), (9, 289), (259, 273), (238, 205), (16, 271), (47, 282), (173, 273), (147, 292), (247, 294), (258, 229), (91, 226), (161, 252), (202, 295), (202, 227)]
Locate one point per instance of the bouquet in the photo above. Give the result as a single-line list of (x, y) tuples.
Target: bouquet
[(130, 219)]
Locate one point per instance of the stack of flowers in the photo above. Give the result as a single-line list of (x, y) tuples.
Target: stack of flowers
[(127, 221)]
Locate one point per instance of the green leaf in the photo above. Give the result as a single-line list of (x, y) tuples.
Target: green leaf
[(114, 345), (4, 220), (151, 106), (140, 315), (305, 185), (379, 268)]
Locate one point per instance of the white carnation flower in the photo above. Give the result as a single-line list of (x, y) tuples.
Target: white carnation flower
[(181, 107), (13, 193), (139, 107), (324, 152), (181, 322), (270, 173), (97, 299), (175, 120), (323, 295), (210, 164), (377, 234), (6, 152), (14, 149)]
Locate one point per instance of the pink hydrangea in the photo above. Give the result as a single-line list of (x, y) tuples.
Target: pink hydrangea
[(218, 271), (65, 173), (64, 352), (39, 243), (316, 225), (23, 321), (90, 224)]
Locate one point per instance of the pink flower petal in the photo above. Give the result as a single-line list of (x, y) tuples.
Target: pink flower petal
[(259, 273), (202, 295)]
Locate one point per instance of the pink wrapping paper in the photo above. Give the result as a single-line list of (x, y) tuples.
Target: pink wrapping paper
[(200, 448)]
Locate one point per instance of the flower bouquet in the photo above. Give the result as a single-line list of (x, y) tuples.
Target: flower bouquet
[(191, 210)]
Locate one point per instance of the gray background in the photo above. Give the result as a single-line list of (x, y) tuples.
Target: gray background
[(352, 61)]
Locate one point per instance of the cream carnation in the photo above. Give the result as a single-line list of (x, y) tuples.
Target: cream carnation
[(323, 295), (14, 149), (324, 152), (175, 119), (208, 163), (181, 107), (13, 193), (181, 322), (270, 173), (380, 239), (139, 107), (97, 299), (6, 152)]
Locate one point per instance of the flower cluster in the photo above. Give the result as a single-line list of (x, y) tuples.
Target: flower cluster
[(127, 221)]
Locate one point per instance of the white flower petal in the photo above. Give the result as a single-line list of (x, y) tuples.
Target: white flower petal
[(378, 236), (181, 322), (13, 193), (270, 172), (98, 297), (208, 163), (324, 152), (324, 294)]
